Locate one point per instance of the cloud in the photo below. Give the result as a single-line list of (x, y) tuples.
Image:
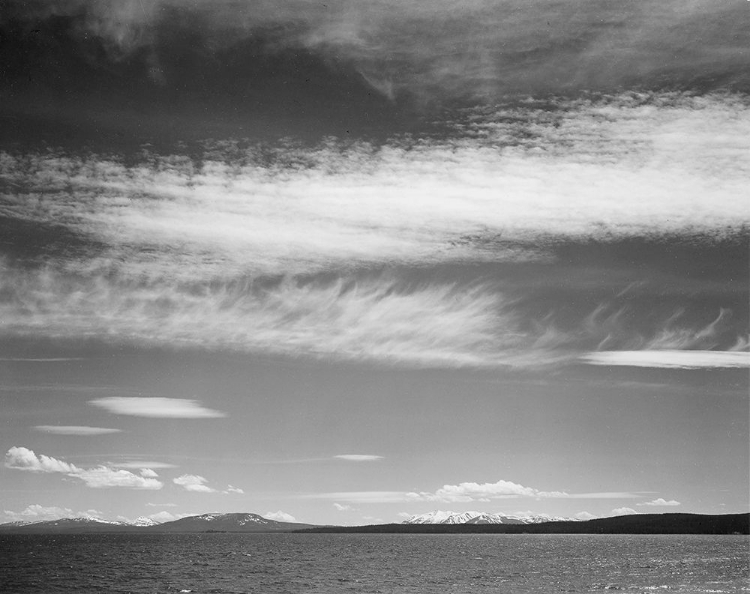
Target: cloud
[(194, 483), (148, 473), (143, 464), (279, 516), (75, 430), (40, 513), (231, 489), (466, 492), (485, 49), (342, 508), (156, 407), (670, 359), (358, 457), (165, 516), (20, 458), (623, 511), (661, 502), (161, 504), (281, 252), (584, 515)]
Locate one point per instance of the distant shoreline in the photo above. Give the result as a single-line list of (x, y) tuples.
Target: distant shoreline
[(635, 524), (673, 523)]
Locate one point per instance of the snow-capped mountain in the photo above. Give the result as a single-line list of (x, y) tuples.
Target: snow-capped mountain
[(473, 517), (142, 521)]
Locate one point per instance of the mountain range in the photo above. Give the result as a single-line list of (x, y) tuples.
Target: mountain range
[(233, 522), (473, 517), (433, 522)]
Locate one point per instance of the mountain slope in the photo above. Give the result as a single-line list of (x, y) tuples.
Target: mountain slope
[(235, 522)]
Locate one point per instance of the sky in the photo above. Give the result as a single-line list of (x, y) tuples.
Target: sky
[(343, 263)]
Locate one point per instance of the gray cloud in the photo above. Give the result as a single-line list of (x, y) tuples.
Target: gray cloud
[(446, 50)]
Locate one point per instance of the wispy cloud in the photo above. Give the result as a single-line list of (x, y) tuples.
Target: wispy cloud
[(358, 457), (342, 508), (279, 254), (20, 458), (670, 359), (484, 48), (156, 407), (194, 483), (279, 516), (231, 489), (75, 430), (139, 464)]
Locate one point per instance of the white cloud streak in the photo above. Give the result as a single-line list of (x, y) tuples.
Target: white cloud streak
[(156, 407), (20, 458), (358, 457), (75, 430), (670, 359), (139, 464)]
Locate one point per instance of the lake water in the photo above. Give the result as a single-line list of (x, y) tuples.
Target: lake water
[(387, 563)]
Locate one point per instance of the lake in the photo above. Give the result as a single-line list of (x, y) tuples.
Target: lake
[(373, 563)]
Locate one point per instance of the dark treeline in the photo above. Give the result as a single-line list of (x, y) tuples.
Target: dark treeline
[(635, 524)]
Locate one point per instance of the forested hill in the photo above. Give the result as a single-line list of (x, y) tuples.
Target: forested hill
[(633, 524)]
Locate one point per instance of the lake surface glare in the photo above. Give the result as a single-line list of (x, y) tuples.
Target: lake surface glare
[(373, 563)]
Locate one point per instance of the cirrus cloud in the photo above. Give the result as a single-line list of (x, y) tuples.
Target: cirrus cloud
[(75, 430)]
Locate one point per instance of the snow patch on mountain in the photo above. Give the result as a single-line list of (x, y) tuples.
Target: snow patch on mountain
[(474, 517)]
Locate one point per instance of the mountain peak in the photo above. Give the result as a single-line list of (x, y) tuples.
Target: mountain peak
[(474, 517)]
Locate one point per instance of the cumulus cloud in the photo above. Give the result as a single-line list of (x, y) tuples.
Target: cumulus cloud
[(40, 513), (466, 492), (279, 516), (661, 502), (194, 483), (623, 511), (165, 516), (231, 489), (20, 458), (584, 515), (358, 457), (75, 430), (148, 473), (156, 407)]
